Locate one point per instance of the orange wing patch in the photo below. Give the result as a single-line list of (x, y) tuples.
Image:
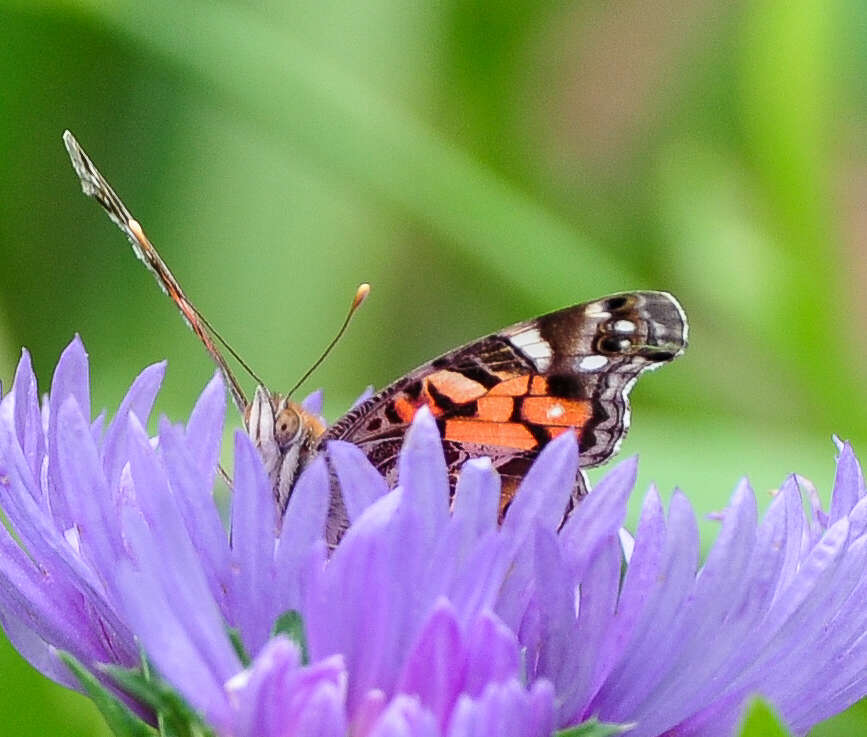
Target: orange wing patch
[(503, 434), (556, 411), (495, 409), (405, 408), (492, 421), (514, 387), (456, 386), (539, 386)]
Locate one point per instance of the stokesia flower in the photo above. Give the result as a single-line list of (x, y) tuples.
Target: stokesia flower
[(426, 618)]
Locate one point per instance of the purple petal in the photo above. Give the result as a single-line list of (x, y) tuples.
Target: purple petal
[(796, 524), (405, 717), (71, 378), (560, 655), (370, 625), (303, 526), (261, 690), (545, 490), (641, 576), (841, 632), (505, 710), (423, 474), (493, 654), (313, 402), (706, 620), (49, 610), (598, 516), (279, 698), (784, 643), (253, 540), (811, 574), (368, 712), (434, 670), (749, 604), (360, 483), (28, 418), (645, 658), (139, 400), (89, 500), (204, 432), (44, 542), (599, 593), (198, 509), (478, 582), (97, 428), (477, 496), (35, 650), (363, 397), (858, 518), (322, 714), (167, 642), (848, 484), (70, 381), (819, 521), (164, 552)]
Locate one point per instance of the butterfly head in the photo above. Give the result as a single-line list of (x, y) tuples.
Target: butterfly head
[(285, 434)]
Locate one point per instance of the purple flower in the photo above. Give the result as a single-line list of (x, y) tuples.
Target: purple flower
[(424, 619)]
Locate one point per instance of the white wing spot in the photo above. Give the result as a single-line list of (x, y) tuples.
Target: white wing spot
[(534, 346), (592, 363), (624, 326), (596, 309), (555, 411)]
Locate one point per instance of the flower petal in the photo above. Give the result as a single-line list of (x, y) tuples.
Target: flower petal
[(370, 627), (252, 592), (360, 483), (313, 402), (79, 471), (139, 400), (423, 474), (848, 484), (493, 654), (167, 641), (303, 526), (477, 496), (28, 418), (199, 511), (435, 667), (164, 553), (204, 434), (648, 655), (70, 381), (545, 490), (405, 717), (506, 710)]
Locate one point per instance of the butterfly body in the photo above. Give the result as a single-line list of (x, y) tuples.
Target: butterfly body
[(504, 396)]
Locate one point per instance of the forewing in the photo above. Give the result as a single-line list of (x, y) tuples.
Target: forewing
[(507, 395)]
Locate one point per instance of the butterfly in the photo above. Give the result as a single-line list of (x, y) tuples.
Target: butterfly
[(504, 396)]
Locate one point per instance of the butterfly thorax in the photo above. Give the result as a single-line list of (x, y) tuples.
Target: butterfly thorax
[(286, 436)]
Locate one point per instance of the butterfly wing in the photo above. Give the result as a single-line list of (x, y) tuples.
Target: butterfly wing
[(507, 395)]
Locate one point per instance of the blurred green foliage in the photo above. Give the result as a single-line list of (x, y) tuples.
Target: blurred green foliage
[(478, 163)]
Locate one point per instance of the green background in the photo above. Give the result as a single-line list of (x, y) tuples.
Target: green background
[(478, 163)]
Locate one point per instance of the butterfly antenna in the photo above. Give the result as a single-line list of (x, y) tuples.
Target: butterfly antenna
[(95, 185), (360, 295), (232, 352)]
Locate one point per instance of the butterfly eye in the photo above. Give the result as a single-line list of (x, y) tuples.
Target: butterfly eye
[(287, 426), (613, 344)]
